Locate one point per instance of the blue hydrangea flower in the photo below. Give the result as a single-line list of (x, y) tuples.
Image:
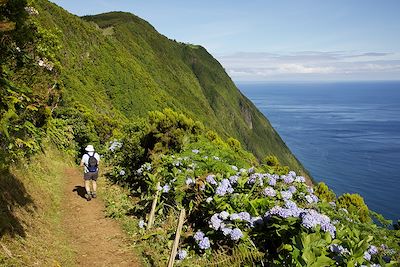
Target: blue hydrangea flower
[(233, 179), (223, 187), (292, 173), (269, 191), (272, 181), (292, 189), (244, 216), (367, 256), (141, 224), (198, 236), (372, 250), (251, 170), (215, 222), (339, 249), (226, 231), (224, 215), (182, 254), (300, 179), (288, 179), (204, 243), (166, 188), (189, 181), (286, 195), (309, 199), (236, 234), (311, 218), (234, 216), (210, 179)]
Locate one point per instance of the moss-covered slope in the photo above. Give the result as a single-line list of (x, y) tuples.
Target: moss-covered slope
[(118, 64)]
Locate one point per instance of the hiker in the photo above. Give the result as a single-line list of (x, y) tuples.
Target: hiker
[(90, 162)]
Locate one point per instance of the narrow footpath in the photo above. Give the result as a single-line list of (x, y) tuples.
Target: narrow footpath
[(97, 240)]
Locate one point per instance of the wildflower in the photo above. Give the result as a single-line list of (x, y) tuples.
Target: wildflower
[(122, 172), (198, 236), (141, 224), (269, 191), (209, 199), (236, 234), (182, 254), (210, 179), (195, 151), (204, 243)]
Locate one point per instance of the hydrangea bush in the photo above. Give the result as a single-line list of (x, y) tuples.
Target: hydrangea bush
[(231, 200)]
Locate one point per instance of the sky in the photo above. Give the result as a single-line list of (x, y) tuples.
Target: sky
[(277, 40)]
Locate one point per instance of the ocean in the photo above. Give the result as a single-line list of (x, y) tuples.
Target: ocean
[(346, 134)]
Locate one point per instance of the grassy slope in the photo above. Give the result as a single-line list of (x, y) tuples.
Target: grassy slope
[(30, 199), (126, 68)]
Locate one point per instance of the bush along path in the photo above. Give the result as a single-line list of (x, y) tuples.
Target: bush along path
[(96, 240), (236, 211)]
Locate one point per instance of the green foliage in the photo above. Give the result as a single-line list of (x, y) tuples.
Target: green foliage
[(271, 160), (354, 204), (324, 193)]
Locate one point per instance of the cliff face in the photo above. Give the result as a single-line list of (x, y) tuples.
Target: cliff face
[(118, 64)]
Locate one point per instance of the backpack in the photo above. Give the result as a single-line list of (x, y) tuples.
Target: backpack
[(92, 163)]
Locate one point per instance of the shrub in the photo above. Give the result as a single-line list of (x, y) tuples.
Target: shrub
[(354, 203), (324, 193)]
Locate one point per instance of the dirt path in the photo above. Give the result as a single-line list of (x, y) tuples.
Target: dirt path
[(98, 241)]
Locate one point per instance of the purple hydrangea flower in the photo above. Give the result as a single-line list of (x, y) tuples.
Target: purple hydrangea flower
[(311, 218), (204, 243), (309, 199), (300, 179), (141, 224), (288, 179), (166, 188), (234, 216), (272, 181), (198, 236), (226, 231), (310, 190), (286, 195), (292, 173), (224, 215), (372, 250), (292, 189), (189, 181), (314, 198), (339, 249), (244, 216), (269, 191), (251, 170), (367, 256), (182, 254), (215, 222), (233, 179), (210, 179), (223, 187), (236, 234)]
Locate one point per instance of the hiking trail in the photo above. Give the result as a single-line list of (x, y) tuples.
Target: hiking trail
[(96, 240)]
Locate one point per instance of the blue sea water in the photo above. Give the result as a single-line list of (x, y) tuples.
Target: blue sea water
[(345, 134)]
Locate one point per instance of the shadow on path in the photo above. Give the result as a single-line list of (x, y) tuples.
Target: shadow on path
[(80, 190)]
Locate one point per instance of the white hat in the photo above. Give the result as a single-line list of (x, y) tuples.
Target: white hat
[(89, 148)]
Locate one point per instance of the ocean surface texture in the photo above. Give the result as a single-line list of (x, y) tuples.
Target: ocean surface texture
[(345, 134)]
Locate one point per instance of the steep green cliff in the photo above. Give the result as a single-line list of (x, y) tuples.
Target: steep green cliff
[(118, 64)]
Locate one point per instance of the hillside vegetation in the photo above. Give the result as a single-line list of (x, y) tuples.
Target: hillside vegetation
[(118, 65)]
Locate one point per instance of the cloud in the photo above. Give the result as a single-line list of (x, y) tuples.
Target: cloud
[(311, 65)]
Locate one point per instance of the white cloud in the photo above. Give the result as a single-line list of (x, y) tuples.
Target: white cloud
[(311, 65)]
